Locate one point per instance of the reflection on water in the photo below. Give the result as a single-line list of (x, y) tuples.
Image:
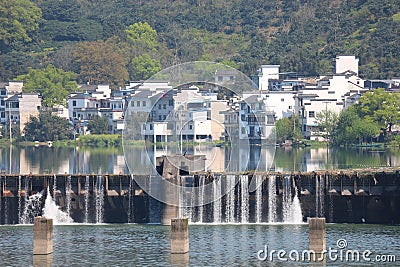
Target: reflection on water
[(43, 159), (211, 245)]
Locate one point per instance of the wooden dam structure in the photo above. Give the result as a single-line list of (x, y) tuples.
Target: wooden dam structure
[(342, 196)]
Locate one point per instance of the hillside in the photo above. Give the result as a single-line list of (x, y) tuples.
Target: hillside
[(300, 35)]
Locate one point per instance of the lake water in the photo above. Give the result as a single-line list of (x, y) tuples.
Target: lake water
[(210, 245), (101, 160)]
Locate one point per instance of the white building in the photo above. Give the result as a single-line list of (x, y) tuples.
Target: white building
[(266, 73), (346, 63), (20, 107)]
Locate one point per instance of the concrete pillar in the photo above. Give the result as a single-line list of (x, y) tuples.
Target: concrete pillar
[(179, 236), (43, 260), (169, 212), (317, 237), (43, 236)]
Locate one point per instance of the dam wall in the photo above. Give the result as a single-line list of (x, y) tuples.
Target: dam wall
[(350, 196)]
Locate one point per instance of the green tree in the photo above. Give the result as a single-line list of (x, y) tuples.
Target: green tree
[(98, 125), (380, 106), (327, 120), (18, 19), (52, 83), (101, 62), (351, 129), (142, 67), (287, 129), (142, 37), (47, 127)]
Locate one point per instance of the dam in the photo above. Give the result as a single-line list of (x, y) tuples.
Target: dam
[(348, 196)]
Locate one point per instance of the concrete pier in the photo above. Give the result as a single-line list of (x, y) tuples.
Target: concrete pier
[(317, 237), (43, 236), (169, 212), (180, 236)]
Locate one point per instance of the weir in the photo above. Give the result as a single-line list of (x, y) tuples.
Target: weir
[(352, 196)]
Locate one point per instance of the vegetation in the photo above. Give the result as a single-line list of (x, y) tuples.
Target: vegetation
[(327, 121), (98, 125), (99, 140), (372, 118), (288, 129), (52, 83), (93, 37), (47, 127)]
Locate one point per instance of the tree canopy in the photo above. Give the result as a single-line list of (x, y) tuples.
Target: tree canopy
[(52, 83), (380, 106), (301, 36), (18, 20), (100, 62), (47, 127), (98, 125)]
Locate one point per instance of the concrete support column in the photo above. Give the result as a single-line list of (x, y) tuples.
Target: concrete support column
[(169, 212), (179, 236), (43, 236), (317, 237)]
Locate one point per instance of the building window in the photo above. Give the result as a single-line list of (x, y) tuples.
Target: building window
[(159, 117), (220, 78), (138, 103), (311, 114), (159, 106), (151, 127), (2, 102), (282, 100), (74, 103), (165, 106), (132, 103), (3, 114), (74, 114), (171, 102), (144, 103), (290, 107), (243, 130), (190, 127), (243, 117)]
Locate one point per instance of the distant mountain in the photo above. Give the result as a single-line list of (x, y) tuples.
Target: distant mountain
[(301, 35)]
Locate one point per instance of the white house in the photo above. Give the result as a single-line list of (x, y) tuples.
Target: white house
[(266, 73)]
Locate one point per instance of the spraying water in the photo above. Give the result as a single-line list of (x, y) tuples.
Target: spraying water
[(52, 211)]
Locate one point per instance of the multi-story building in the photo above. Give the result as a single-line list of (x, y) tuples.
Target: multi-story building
[(19, 108)]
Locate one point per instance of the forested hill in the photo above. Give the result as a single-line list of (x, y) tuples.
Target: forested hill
[(300, 35)]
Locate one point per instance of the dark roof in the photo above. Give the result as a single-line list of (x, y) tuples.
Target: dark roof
[(80, 96), (225, 73), (142, 94), (86, 87), (13, 98)]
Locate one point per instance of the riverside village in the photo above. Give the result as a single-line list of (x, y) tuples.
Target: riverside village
[(203, 174)]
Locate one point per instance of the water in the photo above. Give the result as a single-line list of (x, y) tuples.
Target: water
[(52, 211), (201, 198), (244, 204), (45, 159), (68, 193), (259, 183), (211, 245), (86, 194), (217, 202), (99, 197), (272, 216), (130, 208), (230, 198)]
